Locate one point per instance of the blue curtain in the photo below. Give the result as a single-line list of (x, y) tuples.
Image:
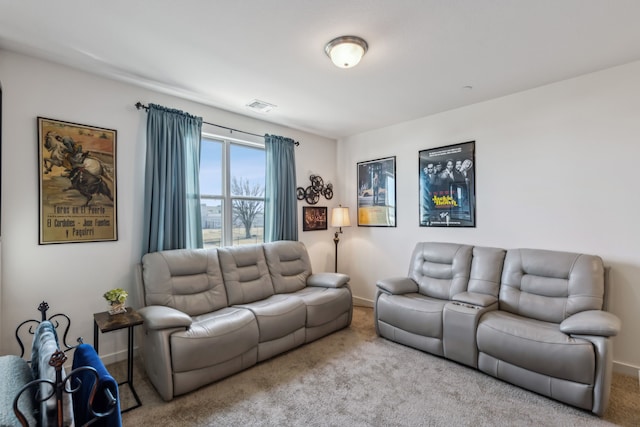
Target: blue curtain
[(172, 218), (280, 219)]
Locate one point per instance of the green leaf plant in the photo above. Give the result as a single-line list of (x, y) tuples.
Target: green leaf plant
[(116, 296)]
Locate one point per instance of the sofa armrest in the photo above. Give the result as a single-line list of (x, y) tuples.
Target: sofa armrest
[(328, 280), (474, 298), (161, 317), (397, 285), (591, 322)]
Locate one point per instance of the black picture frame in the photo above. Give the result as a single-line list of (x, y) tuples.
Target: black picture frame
[(447, 186), (314, 218), (377, 192)]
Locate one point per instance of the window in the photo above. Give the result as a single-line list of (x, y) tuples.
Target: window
[(232, 184)]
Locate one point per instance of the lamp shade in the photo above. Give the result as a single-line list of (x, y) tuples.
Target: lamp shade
[(346, 51), (340, 217)]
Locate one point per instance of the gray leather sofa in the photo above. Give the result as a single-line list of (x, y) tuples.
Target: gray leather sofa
[(213, 312), (530, 317)]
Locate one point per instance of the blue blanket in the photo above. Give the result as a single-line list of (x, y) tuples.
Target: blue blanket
[(85, 355)]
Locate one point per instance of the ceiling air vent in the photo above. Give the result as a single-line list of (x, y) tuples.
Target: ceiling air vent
[(260, 106)]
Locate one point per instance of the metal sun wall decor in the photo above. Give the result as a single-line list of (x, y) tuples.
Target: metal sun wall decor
[(312, 193)]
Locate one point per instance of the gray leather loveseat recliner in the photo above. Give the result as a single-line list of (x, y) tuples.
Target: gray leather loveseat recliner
[(214, 312), (531, 317)]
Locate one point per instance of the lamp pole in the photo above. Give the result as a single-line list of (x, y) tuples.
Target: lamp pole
[(336, 239), (339, 218)]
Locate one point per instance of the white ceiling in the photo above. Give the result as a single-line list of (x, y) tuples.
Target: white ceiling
[(422, 53)]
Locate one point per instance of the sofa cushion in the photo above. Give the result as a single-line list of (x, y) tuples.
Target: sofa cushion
[(289, 265), (245, 273), (214, 338), (486, 270), (278, 315), (415, 313), (188, 280), (441, 270), (551, 285), (325, 304), (536, 346)]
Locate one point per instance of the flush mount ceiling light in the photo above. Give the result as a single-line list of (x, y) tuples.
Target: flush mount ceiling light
[(346, 51)]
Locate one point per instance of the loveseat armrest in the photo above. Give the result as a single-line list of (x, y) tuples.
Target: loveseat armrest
[(474, 298), (591, 322), (328, 280), (160, 317), (397, 285)]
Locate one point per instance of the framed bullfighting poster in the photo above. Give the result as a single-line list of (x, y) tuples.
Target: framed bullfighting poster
[(77, 165), (447, 186)]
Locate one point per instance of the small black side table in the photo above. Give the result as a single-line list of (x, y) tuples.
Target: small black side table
[(112, 322)]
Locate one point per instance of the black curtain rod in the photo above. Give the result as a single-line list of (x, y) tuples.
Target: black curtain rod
[(140, 105)]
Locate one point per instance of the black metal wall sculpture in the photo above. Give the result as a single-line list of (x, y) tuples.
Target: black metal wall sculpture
[(312, 193)]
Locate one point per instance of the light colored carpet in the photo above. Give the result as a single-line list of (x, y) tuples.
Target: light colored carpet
[(354, 378)]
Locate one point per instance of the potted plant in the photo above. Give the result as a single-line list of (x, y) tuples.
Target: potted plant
[(116, 299)]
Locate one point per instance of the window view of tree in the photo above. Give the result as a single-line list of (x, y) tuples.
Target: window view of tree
[(246, 211), (232, 178)]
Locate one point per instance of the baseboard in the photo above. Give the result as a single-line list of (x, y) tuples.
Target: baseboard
[(107, 359), (118, 356), (362, 302), (626, 369)]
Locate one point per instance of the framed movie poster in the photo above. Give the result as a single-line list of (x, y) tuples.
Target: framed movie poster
[(77, 166), (314, 218), (447, 186), (377, 193)]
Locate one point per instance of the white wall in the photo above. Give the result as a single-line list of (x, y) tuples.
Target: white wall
[(556, 168), (73, 277)]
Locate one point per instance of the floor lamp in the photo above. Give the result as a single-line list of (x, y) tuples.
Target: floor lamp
[(339, 218)]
